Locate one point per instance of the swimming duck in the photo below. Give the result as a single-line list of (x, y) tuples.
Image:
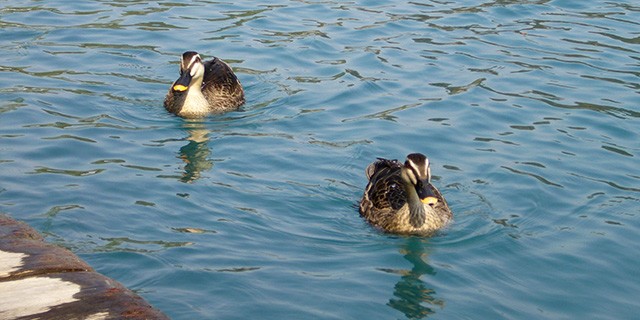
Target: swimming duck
[(203, 88), (400, 198)]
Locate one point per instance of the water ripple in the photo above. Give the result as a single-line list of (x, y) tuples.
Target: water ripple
[(522, 107)]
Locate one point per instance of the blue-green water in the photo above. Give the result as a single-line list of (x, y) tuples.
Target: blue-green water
[(528, 110)]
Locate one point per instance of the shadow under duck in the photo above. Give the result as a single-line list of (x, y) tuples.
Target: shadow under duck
[(400, 198), (203, 88)]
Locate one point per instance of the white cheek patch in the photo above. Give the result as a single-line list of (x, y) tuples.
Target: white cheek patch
[(193, 59), (192, 64), (194, 70), (413, 166), (427, 168), (416, 169), (197, 70), (411, 176)]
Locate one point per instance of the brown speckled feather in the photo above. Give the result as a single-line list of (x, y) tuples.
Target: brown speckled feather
[(221, 87), (385, 185), (384, 202)]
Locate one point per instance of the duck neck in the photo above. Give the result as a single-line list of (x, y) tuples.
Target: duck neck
[(417, 214), (195, 104)]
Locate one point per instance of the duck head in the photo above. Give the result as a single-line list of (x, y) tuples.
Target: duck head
[(417, 172), (191, 71)]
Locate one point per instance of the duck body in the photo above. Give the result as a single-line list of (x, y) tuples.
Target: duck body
[(399, 197), (203, 88)]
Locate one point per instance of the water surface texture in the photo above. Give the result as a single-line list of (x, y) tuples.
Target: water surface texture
[(528, 110)]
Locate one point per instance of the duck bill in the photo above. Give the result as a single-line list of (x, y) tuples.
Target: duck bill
[(182, 84), (426, 193)]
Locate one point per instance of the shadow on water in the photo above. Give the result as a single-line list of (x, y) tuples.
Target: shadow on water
[(196, 154), (411, 295)]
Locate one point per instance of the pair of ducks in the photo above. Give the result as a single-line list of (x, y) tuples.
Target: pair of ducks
[(399, 197)]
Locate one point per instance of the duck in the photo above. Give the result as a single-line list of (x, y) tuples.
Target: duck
[(399, 197), (203, 88)]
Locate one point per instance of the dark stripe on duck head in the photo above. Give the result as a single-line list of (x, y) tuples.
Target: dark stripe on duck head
[(188, 59)]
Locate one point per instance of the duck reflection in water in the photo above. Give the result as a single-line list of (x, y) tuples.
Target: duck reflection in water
[(411, 295), (196, 154)]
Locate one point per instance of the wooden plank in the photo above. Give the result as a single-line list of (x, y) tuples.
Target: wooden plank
[(43, 281)]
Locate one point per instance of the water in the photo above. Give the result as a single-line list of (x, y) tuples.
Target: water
[(528, 111)]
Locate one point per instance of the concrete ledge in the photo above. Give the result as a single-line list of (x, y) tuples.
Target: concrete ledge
[(43, 281)]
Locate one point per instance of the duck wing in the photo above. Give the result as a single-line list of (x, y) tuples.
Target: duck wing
[(219, 78), (385, 189)]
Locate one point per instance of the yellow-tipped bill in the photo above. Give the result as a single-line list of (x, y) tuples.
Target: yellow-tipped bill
[(429, 200), (179, 87)]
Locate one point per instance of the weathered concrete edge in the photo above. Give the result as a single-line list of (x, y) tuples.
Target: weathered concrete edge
[(39, 280)]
